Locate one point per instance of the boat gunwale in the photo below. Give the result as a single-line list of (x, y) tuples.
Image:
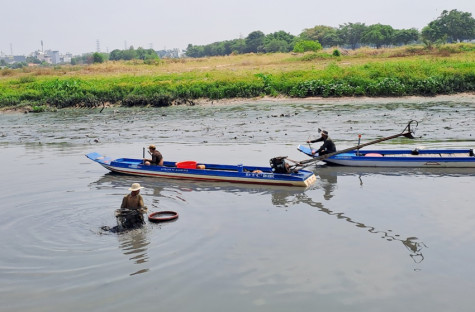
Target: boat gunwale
[(220, 173), (390, 158)]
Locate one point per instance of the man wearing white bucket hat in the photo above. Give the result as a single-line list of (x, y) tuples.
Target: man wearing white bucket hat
[(130, 214), (134, 200)]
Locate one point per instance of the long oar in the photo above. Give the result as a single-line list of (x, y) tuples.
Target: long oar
[(143, 156), (407, 132)]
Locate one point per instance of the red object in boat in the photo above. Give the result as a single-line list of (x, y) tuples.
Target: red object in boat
[(186, 164)]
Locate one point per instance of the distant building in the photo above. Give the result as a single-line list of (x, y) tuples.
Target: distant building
[(19, 58), (66, 58), (55, 59), (40, 55), (175, 53), (7, 59)]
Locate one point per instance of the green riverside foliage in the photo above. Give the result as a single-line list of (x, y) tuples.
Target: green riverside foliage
[(424, 77)]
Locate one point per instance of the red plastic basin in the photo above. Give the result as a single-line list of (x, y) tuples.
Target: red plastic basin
[(186, 164)]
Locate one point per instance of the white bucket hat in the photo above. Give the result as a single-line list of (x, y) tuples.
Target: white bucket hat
[(135, 187)]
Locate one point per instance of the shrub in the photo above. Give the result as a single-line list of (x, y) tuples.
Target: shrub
[(307, 45)]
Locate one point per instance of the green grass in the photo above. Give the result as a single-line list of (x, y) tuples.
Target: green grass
[(365, 72)]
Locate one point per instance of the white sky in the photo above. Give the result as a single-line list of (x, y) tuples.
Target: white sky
[(75, 26)]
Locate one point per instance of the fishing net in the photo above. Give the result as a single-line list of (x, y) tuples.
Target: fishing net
[(128, 219)]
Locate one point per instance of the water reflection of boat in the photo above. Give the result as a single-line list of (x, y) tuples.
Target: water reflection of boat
[(325, 170), (280, 197), (158, 187)]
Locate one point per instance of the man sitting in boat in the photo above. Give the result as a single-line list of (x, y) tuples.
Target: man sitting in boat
[(157, 158), (130, 214), (327, 147)]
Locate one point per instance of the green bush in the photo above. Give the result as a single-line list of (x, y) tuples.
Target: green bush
[(306, 46), (39, 109), (332, 79)]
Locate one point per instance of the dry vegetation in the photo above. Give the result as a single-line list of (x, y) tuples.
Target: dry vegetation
[(410, 70), (234, 64)]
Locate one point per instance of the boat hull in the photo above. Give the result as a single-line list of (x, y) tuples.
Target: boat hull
[(212, 172), (461, 158)]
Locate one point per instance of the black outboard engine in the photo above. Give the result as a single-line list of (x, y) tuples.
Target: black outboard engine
[(279, 165)]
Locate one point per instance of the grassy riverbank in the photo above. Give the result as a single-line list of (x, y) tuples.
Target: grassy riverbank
[(365, 72)]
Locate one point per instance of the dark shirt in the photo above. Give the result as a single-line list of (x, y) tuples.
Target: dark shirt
[(327, 147), (156, 157), (132, 202)]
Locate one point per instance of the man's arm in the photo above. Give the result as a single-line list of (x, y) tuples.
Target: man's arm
[(124, 202), (317, 140)]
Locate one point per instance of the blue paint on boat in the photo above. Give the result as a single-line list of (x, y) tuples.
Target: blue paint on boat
[(420, 158), (212, 172)]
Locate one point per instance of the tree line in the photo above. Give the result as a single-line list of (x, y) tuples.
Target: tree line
[(147, 55), (450, 26)]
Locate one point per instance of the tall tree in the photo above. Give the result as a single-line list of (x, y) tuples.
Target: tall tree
[(115, 55), (279, 42), (97, 58), (325, 35), (405, 36), (432, 33), (255, 42), (378, 35), (351, 33), (456, 25)]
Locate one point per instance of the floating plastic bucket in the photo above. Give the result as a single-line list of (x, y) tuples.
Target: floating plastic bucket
[(186, 164), (162, 216)]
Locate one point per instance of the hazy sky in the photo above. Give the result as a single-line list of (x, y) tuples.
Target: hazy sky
[(76, 26)]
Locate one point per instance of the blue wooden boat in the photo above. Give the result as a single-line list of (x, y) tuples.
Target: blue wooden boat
[(205, 172), (418, 158)]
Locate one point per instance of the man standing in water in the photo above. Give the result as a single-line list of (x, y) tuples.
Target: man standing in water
[(130, 214), (327, 147), (134, 200)]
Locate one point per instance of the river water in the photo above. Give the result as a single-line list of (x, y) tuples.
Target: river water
[(357, 240)]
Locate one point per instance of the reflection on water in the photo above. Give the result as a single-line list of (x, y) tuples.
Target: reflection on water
[(330, 172), (136, 241), (134, 245), (259, 248), (411, 243), (177, 189)]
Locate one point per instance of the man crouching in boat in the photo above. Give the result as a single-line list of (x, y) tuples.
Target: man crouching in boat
[(130, 214), (327, 147), (157, 158)]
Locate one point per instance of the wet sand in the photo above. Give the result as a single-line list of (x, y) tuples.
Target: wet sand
[(461, 97)]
